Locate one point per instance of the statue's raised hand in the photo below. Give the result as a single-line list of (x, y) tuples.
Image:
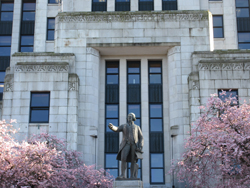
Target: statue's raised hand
[(111, 126)]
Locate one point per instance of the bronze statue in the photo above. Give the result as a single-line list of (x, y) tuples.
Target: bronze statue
[(130, 149)]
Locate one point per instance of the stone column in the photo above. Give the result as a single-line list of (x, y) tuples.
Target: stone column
[(72, 120), (134, 5), (16, 26), (40, 26)]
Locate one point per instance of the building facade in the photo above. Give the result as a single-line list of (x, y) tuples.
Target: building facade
[(71, 67)]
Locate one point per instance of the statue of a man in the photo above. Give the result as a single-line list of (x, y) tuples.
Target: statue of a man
[(130, 149)]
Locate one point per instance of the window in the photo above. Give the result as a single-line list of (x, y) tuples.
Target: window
[(29, 11), (146, 5), (27, 43), (5, 44), (6, 11), (229, 93), (169, 4), (218, 26), (242, 8), (112, 116), (99, 5), (50, 28), (122, 5), (156, 123), (54, 1), (39, 107), (27, 26)]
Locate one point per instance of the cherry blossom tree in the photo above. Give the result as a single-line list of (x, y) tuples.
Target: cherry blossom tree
[(43, 161), (218, 151)]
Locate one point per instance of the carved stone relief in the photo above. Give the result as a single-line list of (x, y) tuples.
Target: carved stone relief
[(41, 68), (156, 17), (224, 66)]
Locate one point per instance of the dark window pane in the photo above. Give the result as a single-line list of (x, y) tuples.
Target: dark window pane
[(6, 16), (244, 46), (51, 34), (242, 12), (54, 1), (155, 79), (145, 0), (244, 37), (241, 3), (5, 40), (157, 160), (218, 33), (40, 99), (113, 172), (133, 79), (27, 40), (4, 51), (2, 75), (157, 175), (112, 79), (98, 1), (155, 125), (26, 49), (39, 116), (217, 21), (7, 7), (134, 67), (113, 121), (111, 161), (29, 6), (155, 67), (155, 110), (112, 67), (138, 122), (136, 109), (111, 111), (51, 23), (29, 16)]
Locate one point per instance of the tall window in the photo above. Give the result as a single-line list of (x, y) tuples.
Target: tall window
[(156, 123), (243, 26), (50, 28), (169, 4), (112, 116), (99, 5), (39, 107), (27, 26), (6, 18), (134, 98), (146, 5), (218, 26), (122, 5)]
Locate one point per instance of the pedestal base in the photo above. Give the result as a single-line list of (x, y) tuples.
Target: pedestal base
[(128, 183)]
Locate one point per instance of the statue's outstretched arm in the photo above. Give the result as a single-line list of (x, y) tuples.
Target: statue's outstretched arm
[(114, 128)]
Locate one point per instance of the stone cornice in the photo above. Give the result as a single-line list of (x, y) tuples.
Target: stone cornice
[(230, 65), (69, 17), (47, 67)]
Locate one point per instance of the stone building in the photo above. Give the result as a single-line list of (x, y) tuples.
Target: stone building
[(71, 67)]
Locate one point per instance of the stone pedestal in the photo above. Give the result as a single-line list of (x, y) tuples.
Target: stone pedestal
[(128, 183)]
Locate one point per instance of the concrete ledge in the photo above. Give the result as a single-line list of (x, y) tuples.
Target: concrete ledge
[(128, 183)]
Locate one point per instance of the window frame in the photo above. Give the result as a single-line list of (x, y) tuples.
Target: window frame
[(48, 29), (39, 107), (219, 27), (111, 118)]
